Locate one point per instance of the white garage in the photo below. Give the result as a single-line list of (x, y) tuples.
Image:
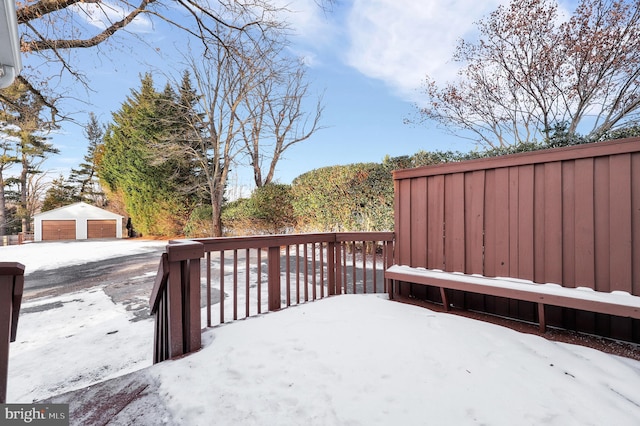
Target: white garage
[(79, 221)]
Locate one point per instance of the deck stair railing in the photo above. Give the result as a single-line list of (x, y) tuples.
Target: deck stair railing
[(175, 301), (246, 276), (11, 287)]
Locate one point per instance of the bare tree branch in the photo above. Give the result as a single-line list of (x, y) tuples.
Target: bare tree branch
[(529, 74)]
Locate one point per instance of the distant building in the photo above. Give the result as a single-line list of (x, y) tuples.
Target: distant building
[(79, 221)]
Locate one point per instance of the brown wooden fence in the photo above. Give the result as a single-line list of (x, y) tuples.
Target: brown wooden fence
[(569, 216), (246, 276)]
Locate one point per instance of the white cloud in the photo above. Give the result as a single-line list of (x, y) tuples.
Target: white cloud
[(308, 20), (401, 41), (314, 29)]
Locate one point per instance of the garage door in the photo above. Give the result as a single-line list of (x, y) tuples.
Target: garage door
[(101, 229), (58, 230)]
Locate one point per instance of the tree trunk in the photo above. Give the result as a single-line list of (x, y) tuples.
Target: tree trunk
[(3, 208), (23, 194), (216, 208)]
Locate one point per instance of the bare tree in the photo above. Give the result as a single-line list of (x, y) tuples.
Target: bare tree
[(246, 105), (37, 186), (278, 120), (215, 115), (530, 72), (53, 29)]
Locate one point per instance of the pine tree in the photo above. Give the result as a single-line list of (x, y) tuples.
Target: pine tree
[(59, 194), (21, 123), (85, 177), (132, 162)]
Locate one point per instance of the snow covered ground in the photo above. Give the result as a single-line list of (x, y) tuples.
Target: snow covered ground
[(345, 360)]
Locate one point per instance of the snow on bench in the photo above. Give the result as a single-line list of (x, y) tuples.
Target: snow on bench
[(615, 303)]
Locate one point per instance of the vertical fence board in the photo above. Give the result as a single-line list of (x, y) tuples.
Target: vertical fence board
[(620, 219), (490, 224), (602, 223), (514, 222), (403, 221), (553, 223), (418, 222), (502, 223), (454, 223), (568, 224), (435, 220), (474, 229), (539, 223), (526, 222), (474, 221), (584, 223), (635, 205)]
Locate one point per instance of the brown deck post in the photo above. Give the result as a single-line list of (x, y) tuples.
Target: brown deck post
[(11, 286), (339, 267), (331, 268), (445, 299), (274, 278), (541, 318), (175, 300), (388, 253)]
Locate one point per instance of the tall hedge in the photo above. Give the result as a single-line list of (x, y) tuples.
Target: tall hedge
[(269, 210), (354, 197)]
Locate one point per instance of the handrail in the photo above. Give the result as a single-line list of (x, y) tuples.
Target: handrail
[(319, 253), (11, 287), (175, 301), (298, 268)]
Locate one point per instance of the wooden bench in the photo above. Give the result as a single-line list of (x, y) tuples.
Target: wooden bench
[(615, 303)]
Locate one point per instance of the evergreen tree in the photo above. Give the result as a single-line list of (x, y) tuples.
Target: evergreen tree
[(132, 162), (21, 124), (59, 194), (85, 177), (7, 159)]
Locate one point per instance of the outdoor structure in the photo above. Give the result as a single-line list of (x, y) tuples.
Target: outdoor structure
[(567, 216), (287, 270), (11, 287), (485, 235), (79, 221)]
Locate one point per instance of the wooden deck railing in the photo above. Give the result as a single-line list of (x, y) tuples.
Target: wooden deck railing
[(245, 276), (11, 286), (175, 301)]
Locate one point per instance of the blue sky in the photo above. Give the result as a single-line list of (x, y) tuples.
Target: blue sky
[(367, 57)]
